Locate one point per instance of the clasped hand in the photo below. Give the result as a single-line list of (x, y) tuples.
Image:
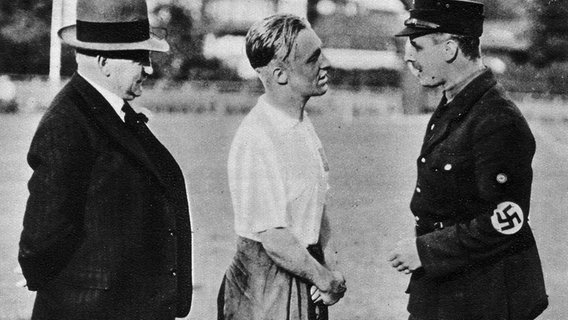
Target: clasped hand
[(334, 294)]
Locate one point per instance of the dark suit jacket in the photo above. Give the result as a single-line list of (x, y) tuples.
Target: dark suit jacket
[(107, 227), (477, 154)]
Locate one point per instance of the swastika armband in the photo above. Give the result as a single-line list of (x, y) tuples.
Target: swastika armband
[(507, 218)]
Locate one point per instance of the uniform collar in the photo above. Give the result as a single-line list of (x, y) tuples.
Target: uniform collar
[(456, 88), (470, 94), (278, 118)]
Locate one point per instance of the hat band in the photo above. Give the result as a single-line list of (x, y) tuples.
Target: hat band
[(113, 32), (448, 23), (417, 23)]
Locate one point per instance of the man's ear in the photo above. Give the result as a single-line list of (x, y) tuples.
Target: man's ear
[(451, 49), (103, 64), (280, 75)]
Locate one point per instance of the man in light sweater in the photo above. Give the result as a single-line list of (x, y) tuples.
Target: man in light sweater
[(278, 181)]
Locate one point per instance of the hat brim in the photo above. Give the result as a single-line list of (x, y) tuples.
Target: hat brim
[(412, 31), (69, 36)]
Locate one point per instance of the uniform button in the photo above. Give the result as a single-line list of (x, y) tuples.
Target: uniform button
[(502, 178), (171, 232), (448, 167), (432, 126), (173, 272), (417, 218), (423, 160), (418, 189)]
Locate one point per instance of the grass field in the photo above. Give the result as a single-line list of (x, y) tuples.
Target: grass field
[(372, 177)]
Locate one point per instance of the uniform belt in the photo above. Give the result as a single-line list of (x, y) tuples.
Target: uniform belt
[(427, 225)]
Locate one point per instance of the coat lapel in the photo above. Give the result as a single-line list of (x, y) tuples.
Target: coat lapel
[(458, 108), (441, 132), (103, 115)]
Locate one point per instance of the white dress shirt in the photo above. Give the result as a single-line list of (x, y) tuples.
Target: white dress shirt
[(278, 175), (114, 100)]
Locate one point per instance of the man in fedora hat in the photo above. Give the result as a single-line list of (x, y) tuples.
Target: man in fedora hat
[(106, 229), (474, 255)]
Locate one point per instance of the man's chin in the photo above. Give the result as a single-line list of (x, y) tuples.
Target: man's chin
[(319, 94)]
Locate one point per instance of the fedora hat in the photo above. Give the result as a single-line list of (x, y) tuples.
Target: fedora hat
[(112, 25)]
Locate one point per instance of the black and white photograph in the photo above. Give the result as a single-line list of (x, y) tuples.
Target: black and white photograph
[(283, 159)]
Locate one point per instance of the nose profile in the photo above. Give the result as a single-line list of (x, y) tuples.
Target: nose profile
[(408, 52)]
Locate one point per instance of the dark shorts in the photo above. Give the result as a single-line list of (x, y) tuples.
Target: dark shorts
[(254, 288)]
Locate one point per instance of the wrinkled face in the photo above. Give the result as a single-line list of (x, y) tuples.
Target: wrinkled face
[(426, 60), (127, 75), (307, 65)]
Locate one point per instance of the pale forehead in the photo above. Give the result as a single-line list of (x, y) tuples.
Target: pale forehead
[(424, 39), (307, 42)]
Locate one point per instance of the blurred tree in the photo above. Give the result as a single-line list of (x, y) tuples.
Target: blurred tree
[(312, 14), (185, 60), (504, 10), (549, 36), (24, 36), (176, 25), (494, 9)]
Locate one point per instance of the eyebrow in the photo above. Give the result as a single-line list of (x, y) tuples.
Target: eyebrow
[(415, 45)]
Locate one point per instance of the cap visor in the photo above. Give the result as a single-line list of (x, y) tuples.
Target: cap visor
[(411, 31), (69, 36)]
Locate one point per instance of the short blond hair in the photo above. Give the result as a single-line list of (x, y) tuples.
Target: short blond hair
[(273, 38)]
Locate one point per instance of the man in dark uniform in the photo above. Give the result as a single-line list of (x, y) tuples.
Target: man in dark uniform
[(107, 228), (474, 255)]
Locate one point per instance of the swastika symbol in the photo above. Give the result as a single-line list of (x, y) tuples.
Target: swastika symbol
[(507, 218)]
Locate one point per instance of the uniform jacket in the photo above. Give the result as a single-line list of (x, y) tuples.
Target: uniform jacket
[(471, 206), (105, 216)]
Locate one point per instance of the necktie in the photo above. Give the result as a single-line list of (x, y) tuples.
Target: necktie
[(131, 118), (136, 123)]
